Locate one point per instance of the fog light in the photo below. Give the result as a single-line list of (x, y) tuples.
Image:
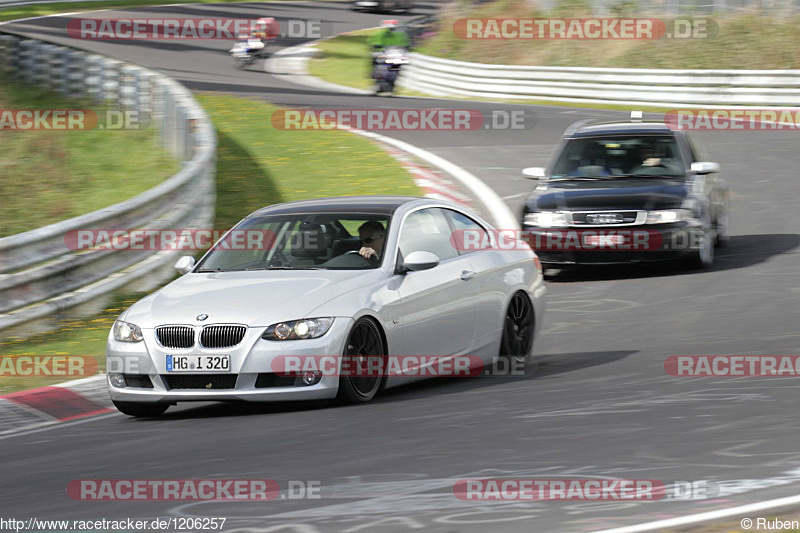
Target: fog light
[(117, 380), (311, 378)]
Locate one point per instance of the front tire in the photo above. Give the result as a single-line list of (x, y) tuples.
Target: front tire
[(362, 375), (141, 410), (703, 257)]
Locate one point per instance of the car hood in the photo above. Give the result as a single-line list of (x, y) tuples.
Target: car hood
[(256, 299), (627, 193)]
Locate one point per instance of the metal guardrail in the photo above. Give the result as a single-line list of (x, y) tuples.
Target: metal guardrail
[(662, 88), (40, 276)]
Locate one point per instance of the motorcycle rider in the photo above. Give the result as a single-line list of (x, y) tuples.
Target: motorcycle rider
[(389, 36), (264, 30)]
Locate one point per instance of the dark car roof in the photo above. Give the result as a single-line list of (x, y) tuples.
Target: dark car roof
[(384, 205), (593, 129)]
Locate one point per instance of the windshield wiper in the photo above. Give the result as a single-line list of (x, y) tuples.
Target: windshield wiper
[(580, 178), (206, 270), (291, 268)]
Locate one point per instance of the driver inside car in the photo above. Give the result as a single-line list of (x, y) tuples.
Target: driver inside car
[(372, 235)]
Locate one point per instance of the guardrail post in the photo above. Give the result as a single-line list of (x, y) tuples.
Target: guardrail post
[(8, 45), (93, 80), (76, 74)]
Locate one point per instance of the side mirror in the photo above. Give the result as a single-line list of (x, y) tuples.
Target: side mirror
[(533, 173), (706, 167), (185, 264), (417, 261)]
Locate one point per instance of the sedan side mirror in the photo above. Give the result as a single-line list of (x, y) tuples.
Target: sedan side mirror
[(533, 173), (706, 167), (185, 264), (417, 261)]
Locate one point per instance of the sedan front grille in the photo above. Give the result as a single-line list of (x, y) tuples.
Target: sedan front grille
[(175, 336), (222, 336), (605, 218), (200, 381)]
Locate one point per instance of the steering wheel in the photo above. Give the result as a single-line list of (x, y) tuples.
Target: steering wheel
[(372, 259)]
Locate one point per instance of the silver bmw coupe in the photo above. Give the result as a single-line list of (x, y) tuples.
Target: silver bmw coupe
[(361, 281)]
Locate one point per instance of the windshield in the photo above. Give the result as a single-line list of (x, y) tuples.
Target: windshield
[(619, 156), (331, 241)]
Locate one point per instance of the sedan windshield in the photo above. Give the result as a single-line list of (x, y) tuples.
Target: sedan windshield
[(329, 241), (651, 156)]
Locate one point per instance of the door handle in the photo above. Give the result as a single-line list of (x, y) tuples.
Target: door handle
[(467, 275)]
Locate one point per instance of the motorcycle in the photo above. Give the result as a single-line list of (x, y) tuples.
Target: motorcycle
[(386, 66), (247, 49)]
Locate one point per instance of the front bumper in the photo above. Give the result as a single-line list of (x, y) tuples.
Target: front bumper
[(613, 245), (144, 363)]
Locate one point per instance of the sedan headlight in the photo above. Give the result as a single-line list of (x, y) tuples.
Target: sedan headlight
[(309, 328), (668, 216), (127, 332), (546, 219)]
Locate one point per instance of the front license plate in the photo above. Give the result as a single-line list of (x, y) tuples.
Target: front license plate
[(603, 240), (198, 363)]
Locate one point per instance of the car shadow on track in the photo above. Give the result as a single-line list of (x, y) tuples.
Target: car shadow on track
[(741, 251), (545, 366)]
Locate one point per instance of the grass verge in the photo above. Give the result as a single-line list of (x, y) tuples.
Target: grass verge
[(56, 175), (345, 59), (257, 165), (739, 41)]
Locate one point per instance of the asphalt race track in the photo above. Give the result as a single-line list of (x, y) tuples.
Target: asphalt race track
[(601, 404)]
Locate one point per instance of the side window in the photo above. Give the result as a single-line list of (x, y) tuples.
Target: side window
[(427, 230), (468, 235)]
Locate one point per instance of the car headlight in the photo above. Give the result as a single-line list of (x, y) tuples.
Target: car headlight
[(546, 219), (309, 328), (667, 216), (127, 332)]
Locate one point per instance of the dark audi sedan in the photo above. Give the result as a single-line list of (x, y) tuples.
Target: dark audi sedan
[(618, 192)]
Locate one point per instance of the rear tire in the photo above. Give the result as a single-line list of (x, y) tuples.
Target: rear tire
[(364, 345), (141, 410), (518, 329)]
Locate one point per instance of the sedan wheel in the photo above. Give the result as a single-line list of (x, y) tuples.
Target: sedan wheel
[(363, 363), (518, 331), (141, 410), (703, 257)]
